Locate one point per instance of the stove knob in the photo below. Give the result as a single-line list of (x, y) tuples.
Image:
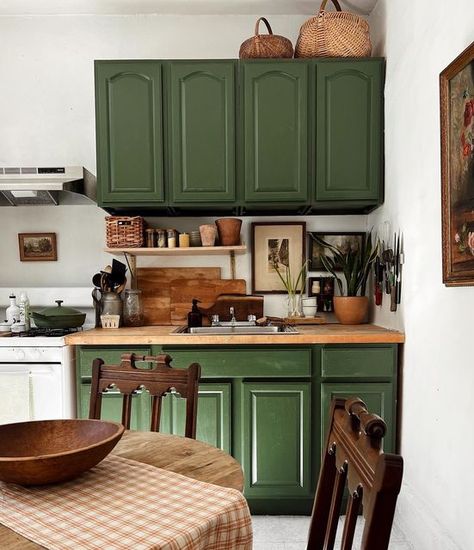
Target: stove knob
[(20, 355)]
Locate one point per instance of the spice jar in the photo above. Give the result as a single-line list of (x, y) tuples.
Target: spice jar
[(133, 308), (161, 238), (150, 238), (171, 234)]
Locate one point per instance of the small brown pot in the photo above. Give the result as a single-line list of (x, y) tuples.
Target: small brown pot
[(229, 231), (351, 310), (208, 234)]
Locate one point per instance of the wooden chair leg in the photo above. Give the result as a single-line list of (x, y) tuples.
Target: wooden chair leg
[(126, 410), (156, 414), (335, 510), (353, 505)]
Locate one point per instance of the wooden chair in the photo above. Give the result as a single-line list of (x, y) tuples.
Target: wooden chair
[(129, 379), (353, 453)]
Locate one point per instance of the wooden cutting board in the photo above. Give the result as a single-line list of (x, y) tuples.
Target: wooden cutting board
[(155, 284), (207, 291)]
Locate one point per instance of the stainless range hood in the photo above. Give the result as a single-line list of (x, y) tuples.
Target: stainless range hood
[(47, 186)]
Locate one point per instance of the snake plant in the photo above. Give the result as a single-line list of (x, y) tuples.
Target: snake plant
[(355, 264)]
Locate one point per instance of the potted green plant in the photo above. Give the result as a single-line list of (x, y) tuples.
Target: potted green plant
[(352, 305)]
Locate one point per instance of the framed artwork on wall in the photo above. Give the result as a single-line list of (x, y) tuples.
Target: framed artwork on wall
[(341, 240), (37, 247), (281, 244), (457, 169)]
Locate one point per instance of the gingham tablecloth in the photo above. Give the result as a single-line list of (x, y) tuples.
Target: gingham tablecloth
[(123, 504)]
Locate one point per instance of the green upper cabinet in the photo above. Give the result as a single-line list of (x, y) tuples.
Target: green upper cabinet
[(201, 131), (129, 132), (275, 131), (348, 136)]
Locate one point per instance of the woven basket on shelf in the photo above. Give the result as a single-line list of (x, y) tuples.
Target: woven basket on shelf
[(124, 231), (334, 34), (265, 45)]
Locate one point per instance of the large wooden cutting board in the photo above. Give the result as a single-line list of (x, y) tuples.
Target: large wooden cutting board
[(155, 284), (207, 291)]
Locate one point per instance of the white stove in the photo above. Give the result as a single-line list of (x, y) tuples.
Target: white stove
[(37, 378)]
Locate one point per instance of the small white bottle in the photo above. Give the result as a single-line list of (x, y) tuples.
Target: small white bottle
[(24, 306), (13, 311)]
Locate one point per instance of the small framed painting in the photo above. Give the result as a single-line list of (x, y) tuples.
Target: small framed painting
[(37, 247), (457, 169), (278, 244), (342, 241)]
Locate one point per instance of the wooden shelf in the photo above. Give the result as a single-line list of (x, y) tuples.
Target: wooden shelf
[(188, 251)]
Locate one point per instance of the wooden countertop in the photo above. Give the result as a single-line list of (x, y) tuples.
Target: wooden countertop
[(319, 334)]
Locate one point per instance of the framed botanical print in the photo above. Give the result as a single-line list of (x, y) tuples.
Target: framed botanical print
[(341, 240), (457, 169), (280, 245)]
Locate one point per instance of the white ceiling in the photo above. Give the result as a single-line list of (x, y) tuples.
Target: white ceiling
[(184, 7)]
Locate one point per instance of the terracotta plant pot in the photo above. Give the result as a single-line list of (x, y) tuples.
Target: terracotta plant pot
[(351, 310), (208, 234), (229, 231)]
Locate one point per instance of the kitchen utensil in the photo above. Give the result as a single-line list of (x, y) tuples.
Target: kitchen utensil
[(96, 280), (58, 317), (117, 275), (53, 451), (207, 291), (96, 296), (155, 284), (228, 230)]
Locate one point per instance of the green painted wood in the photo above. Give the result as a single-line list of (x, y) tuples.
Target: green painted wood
[(129, 132), (275, 130), (202, 131), (348, 146), (214, 411), (110, 356), (276, 439), (339, 362), (112, 407), (248, 362), (379, 398)]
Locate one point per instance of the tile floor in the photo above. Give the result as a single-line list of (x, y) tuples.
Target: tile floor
[(289, 533)]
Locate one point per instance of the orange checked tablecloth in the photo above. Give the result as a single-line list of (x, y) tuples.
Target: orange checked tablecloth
[(123, 504)]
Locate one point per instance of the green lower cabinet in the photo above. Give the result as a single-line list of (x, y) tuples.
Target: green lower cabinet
[(276, 439), (213, 421), (112, 407), (378, 397)]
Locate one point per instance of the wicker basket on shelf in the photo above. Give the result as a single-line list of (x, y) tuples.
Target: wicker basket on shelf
[(266, 45), (125, 231), (334, 34)]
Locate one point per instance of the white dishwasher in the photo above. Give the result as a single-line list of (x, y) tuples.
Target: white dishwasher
[(37, 379)]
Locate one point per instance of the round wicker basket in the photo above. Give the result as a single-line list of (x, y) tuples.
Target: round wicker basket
[(266, 45), (334, 34)]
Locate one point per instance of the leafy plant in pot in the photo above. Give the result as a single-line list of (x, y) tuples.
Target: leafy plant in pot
[(351, 306)]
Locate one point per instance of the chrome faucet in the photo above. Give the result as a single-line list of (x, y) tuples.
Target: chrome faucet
[(233, 320), (215, 322)]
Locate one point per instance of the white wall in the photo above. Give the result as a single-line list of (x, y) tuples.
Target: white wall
[(435, 505), (47, 114)]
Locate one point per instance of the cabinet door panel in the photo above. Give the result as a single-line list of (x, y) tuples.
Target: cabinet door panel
[(202, 126), (378, 398), (349, 130), (214, 413), (276, 439), (275, 99), (129, 132)]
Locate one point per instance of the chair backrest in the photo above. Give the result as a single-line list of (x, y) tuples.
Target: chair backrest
[(159, 380), (353, 453)]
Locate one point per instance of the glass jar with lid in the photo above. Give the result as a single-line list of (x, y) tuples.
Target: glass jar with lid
[(133, 308)]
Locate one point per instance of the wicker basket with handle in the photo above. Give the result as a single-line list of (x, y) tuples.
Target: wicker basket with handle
[(334, 34), (266, 45), (124, 231)]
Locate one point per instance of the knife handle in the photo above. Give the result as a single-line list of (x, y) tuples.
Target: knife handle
[(393, 298)]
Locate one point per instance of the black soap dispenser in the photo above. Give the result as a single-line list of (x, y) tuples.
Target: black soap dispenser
[(195, 316)]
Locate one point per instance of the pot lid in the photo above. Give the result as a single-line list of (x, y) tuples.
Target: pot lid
[(54, 311)]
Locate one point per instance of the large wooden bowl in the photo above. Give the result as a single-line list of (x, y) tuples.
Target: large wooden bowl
[(51, 451)]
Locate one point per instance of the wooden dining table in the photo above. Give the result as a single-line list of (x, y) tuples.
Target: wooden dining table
[(181, 455)]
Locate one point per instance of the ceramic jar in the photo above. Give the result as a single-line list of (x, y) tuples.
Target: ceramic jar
[(208, 234), (229, 231)]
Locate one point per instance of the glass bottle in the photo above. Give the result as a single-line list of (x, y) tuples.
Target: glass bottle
[(133, 308)]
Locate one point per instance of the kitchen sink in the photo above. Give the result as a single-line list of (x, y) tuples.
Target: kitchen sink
[(235, 329)]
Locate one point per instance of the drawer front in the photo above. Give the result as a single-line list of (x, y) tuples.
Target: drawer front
[(111, 356), (358, 362), (245, 363)]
